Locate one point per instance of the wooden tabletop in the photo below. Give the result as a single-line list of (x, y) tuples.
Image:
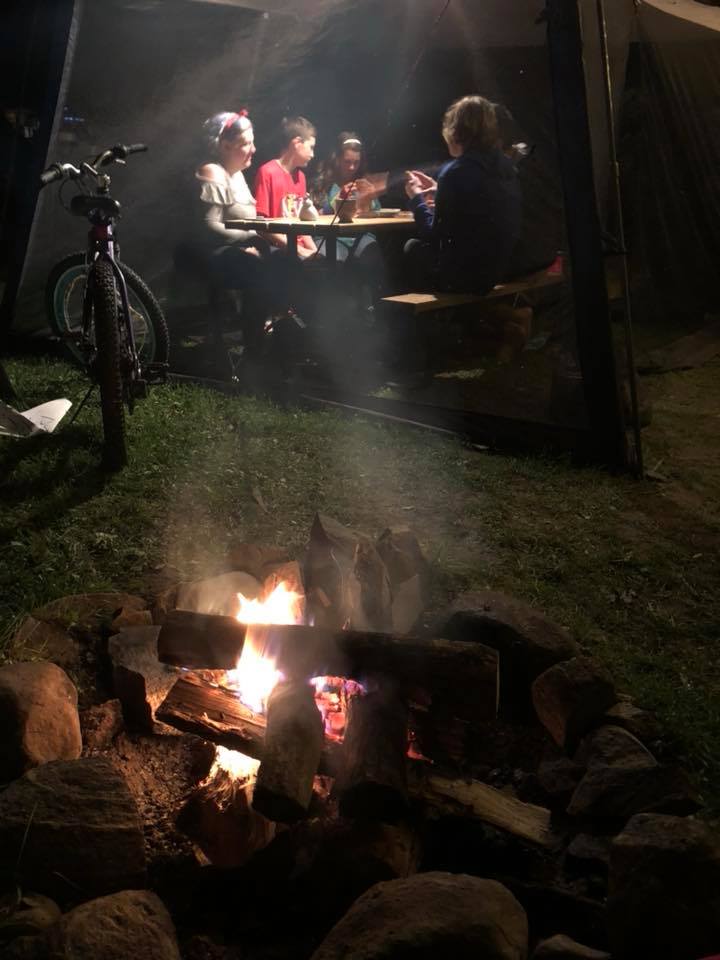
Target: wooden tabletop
[(327, 225)]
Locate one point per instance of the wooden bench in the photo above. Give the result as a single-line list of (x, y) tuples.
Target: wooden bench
[(427, 302)]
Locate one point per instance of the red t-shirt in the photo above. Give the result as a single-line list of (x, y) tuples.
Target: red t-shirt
[(272, 184)]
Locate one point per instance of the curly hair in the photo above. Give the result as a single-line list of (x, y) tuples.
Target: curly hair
[(471, 122)]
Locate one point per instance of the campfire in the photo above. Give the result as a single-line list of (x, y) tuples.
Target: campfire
[(310, 715)]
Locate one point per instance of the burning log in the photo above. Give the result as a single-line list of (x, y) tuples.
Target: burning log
[(461, 674), (197, 706), (205, 640), (373, 784), (293, 745), (219, 818)]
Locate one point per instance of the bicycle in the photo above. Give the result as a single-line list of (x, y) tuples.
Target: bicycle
[(101, 309)]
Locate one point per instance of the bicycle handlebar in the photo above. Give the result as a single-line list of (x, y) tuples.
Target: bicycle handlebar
[(118, 153)]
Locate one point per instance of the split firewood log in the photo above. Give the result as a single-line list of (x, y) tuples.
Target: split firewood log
[(373, 782), (294, 740)]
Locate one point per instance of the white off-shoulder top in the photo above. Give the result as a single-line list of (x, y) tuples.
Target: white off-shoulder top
[(224, 198)]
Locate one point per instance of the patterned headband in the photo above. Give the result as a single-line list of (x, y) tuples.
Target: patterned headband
[(351, 140), (231, 119)]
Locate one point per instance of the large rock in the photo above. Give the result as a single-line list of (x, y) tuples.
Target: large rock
[(87, 610), (561, 947), (131, 924), (38, 639), (141, 682), (28, 915), (570, 698), (664, 889), (623, 778), (527, 641), (429, 916), (217, 594), (38, 717), (78, 828)]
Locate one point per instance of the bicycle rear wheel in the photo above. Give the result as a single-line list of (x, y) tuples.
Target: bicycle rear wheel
[(109, 363), (64, 304)]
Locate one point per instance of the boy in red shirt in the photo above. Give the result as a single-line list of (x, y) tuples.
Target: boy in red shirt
[(283, 178)]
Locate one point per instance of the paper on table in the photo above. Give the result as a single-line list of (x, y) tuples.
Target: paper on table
[(41, 419)]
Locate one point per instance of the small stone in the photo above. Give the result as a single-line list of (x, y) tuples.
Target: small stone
[(570, 698), (664, 889), (38, 717), (430, 915), (101, 724), (641, 723), (561, 947), (85, 838)]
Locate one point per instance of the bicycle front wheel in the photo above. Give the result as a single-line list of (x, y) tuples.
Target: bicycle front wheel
[(108, 363), (64, 304)]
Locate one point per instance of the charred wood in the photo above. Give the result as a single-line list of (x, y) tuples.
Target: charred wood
[(460, 674), (373, 783)]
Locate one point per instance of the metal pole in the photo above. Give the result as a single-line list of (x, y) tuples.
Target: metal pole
[(592, 312), (615, 167)]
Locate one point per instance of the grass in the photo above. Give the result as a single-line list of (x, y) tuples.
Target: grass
[(630, 568)]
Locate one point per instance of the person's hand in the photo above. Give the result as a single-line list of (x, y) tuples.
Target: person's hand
[(426, 183), (412, 184), (253, 251), (417, 183)]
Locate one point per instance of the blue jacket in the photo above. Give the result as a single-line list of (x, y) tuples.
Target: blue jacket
[(476, 221)]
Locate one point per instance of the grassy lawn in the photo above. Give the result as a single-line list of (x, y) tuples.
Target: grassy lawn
[(631, 568)]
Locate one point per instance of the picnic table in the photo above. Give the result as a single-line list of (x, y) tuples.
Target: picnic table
[(329, 228)]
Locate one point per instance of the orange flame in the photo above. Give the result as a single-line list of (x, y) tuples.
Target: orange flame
[(255, 675)]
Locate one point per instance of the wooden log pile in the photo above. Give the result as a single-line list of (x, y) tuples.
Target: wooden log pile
[(371, 769)]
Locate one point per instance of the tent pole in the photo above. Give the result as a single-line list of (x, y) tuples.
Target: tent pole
[(592, 311)]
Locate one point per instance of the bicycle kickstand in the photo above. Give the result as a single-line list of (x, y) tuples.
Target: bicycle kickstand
[(82, 403)]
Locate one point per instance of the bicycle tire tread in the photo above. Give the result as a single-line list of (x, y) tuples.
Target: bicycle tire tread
[(108, 362)]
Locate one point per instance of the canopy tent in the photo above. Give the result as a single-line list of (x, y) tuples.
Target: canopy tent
[(152, 70)]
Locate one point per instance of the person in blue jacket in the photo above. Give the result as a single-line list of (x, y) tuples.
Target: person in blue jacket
[(469, 219)]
